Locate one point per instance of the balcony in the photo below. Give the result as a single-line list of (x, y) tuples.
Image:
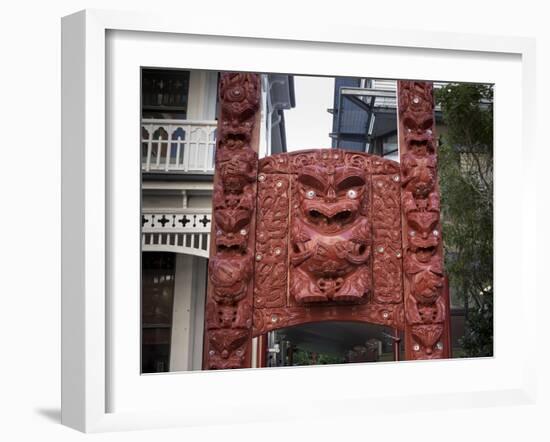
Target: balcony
[(178, 146), (176, 230)]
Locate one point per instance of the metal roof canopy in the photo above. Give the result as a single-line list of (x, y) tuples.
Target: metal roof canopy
[(381, 109)]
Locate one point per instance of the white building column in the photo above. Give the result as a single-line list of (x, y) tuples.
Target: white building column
[(188, 313), (198, 308), (201, 102), (181, 317)]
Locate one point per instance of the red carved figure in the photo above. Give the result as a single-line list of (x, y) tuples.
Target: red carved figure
[(419, 178), (230, 276), (335, 255), (427, 340), (237, 169), (425, 307), (240, 100), (227, 348), (330, 239), (229, 312)]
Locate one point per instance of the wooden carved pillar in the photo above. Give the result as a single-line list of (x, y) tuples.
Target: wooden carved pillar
[(228, 324), (426, 312)]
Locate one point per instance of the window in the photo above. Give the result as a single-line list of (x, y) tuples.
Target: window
[(165, 94), (157, 300)]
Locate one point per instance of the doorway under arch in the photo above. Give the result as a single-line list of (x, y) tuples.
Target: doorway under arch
[(331, 342)]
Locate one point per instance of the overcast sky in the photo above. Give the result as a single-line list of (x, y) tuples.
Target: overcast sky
[(309, 123)]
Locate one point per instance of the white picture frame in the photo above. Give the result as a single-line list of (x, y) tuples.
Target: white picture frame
[(93, 362)]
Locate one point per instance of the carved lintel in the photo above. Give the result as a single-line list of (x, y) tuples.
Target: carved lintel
[(267, 319), (294, 162)]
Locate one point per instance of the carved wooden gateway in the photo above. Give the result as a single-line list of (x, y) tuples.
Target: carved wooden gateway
[(323, 235)]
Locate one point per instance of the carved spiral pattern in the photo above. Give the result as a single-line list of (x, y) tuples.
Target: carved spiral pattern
[(271, 272), (386, 210), (425, 307)]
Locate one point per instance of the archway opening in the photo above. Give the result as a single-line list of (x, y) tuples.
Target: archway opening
[(333, 342)]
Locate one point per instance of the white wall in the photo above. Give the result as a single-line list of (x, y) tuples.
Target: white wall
[(30, 183), (162, 199), (202, 95), (195, 201), (176, 199), (188, 314)]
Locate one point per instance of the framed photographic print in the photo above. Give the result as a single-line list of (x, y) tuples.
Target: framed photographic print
[(264, 210)]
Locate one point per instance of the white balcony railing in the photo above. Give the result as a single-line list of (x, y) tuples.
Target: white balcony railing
[(177, 230), (183, 146)]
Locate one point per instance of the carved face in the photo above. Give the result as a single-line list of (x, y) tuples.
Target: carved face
[(417, 97), (232, 216), (423, 235), (229, 277), (231, 241), (427, 338), (235, 132), (227, 348), (228, 316), (330, 240), (331, 197), (418, 133), (427, 287), (225, 316), (237, 170), (419, 175), (239, 94)]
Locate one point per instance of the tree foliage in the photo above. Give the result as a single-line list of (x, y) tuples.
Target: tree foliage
[(304, 357), (466, 185)]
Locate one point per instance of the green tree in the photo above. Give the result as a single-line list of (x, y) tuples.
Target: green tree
[(304, 357), (466, 184)]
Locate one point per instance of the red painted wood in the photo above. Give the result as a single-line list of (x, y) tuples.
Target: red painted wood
[(426, 311), (230, 271), (323, 235), (328, 242)]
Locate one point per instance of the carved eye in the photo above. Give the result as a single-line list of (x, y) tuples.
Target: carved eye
[(310, 194), (427, 124), (352, 194), (410, 124)]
